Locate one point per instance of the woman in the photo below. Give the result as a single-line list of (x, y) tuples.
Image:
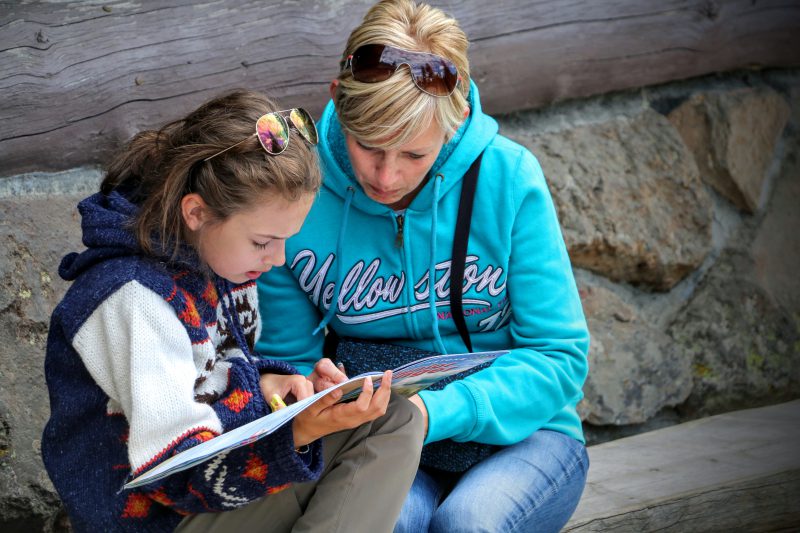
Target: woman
[(402, 130)]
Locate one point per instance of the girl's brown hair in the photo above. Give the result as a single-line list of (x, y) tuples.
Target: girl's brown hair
[(158, 168)]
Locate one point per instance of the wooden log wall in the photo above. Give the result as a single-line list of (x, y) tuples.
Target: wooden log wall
[(76, 78)]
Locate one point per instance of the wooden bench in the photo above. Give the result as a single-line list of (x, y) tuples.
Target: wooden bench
[(738, 471)]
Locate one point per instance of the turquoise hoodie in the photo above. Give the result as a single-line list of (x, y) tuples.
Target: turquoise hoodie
[(519, 291)]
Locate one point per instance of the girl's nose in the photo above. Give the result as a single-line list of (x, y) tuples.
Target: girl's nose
[(278, 255)]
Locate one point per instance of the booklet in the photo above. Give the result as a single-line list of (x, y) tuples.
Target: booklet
[(407, 380)]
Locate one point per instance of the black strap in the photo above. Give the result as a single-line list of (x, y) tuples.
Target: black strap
[(468, 185)]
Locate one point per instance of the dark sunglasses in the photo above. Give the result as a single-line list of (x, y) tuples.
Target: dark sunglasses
[(272, 131), (432, 74)]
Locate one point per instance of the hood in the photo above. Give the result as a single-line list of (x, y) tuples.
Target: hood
[(104, 223), (107, 233), (454, 160)]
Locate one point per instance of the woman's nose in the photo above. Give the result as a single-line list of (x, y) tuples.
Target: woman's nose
[(384, 172)]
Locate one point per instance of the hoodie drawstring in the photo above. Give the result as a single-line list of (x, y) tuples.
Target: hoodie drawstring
[(339, 263), (431, 273), (437, 181)]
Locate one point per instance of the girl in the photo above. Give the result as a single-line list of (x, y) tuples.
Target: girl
[(150, 351), (374, 261)]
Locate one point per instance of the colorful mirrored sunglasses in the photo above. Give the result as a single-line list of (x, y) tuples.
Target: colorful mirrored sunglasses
[(432, 74), (272, 130)]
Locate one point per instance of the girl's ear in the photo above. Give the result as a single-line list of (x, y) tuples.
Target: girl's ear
[(193, 211)]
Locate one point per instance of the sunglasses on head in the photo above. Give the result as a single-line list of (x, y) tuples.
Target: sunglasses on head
[(272, 130), (432, 74)]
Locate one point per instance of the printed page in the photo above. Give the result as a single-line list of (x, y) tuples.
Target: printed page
[(418, 375)]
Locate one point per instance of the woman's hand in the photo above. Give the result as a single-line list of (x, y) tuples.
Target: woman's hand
[(326, 375), (293, 386), (416, 400), (325, 416)]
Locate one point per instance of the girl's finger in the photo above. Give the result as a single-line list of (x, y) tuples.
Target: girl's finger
[(381, 398), (324, 402), (332, 372), (386, 382), (301, 388), (329, 372), (364, 399)]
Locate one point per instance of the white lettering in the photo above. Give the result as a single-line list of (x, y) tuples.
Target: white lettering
[(361, 288)]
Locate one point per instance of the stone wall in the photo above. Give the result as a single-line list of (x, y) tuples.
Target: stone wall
[(679, 206)]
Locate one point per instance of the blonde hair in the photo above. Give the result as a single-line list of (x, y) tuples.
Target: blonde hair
[(393, 112), (157, 168)]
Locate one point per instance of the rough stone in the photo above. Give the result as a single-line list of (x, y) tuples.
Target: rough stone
[(742, 325), (629, 198), (776, 247), (634, 372), (732, 135), (745, 349), (36, 231)]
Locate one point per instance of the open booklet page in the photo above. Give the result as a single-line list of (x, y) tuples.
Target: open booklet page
[(407, 380)]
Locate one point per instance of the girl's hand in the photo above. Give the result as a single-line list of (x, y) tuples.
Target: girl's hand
[(291, 387), (326, 375), (326, 416)]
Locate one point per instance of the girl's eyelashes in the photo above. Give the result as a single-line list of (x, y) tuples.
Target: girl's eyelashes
[(261, 245), (415, 156)]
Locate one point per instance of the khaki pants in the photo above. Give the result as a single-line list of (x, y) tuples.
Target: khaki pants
[(364, 482)]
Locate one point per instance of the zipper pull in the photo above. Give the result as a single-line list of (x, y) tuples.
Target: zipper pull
[(398, 240)]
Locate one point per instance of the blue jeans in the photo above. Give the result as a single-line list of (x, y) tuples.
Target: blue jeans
[(533, 485)]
